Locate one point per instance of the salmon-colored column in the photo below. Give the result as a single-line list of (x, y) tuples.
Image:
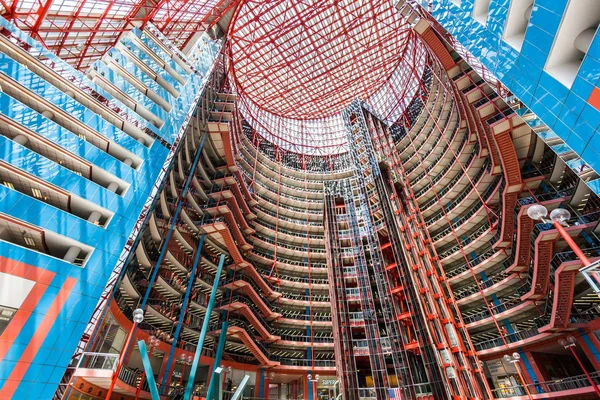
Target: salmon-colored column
[(589, 353), (305, 382), (267, 383)]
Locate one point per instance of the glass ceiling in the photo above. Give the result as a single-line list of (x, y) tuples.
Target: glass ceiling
[(297, 64), (81, 31)]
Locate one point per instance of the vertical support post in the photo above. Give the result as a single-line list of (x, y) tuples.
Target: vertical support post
[(209, 307), (173, 223), (240, 389), (184, 305), (148, 370), (585, 371), (261, 383), (213, 388), (115, 375)]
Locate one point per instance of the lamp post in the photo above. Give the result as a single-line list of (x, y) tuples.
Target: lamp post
[(138, 317), (226, 370), (185, 360), (314, 383), (559, 218), (153, 342), (224, 384), (569, 344), (514, 360)]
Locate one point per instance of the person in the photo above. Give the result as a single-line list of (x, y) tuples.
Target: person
[(538, 387), (227, 395)]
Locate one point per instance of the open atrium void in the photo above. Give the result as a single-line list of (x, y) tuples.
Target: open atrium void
[(299, 199)]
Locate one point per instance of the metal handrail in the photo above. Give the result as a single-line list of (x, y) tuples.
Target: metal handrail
[(553, 386)]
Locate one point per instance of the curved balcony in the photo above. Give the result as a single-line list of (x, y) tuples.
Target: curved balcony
[(290, 223), (470, 242), (287, 249), (304, 268), (449, 141), (301, 212), (239, 304), (293, 364), (282, 189), (492, 285), (301, 282), (311, 174), (472, 216), (460, 204), (247, 162), (429, 138), (417, 118), (444, 176), (288, 235), (306, 341), (228, 197), (484, 166), (506, 307), (444, 163)]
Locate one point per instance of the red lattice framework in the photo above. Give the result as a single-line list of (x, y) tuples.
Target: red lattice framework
[(81, 31), (310, 59)]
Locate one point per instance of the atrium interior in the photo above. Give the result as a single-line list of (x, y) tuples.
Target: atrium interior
[(284, 199)]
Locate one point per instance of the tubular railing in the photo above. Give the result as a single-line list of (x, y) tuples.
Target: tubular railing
[(553, 386)]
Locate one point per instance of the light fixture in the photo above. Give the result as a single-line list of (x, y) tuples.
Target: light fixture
[(539, 213), (560, 215), (138, 315), (570, 343), (29, 240), (37, 193), (154, 341), (514, 360)]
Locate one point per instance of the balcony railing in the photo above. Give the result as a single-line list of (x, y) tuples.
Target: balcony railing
[(553, 386)]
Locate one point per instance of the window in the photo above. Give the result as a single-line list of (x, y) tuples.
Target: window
[(6, 315), (37, 193), (480, 11), (573, 39), (29, 241), (517, 20)]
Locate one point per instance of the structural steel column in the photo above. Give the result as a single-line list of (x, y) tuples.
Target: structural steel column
[(200, 345), (184, 305), (213, 388)]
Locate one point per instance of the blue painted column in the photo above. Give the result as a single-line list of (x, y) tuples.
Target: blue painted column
[(213, 388), (182, 312), (308, 349), (205, 322), (528, 367), (590, 344), (261, 383), (148, 370), (173, 222)]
